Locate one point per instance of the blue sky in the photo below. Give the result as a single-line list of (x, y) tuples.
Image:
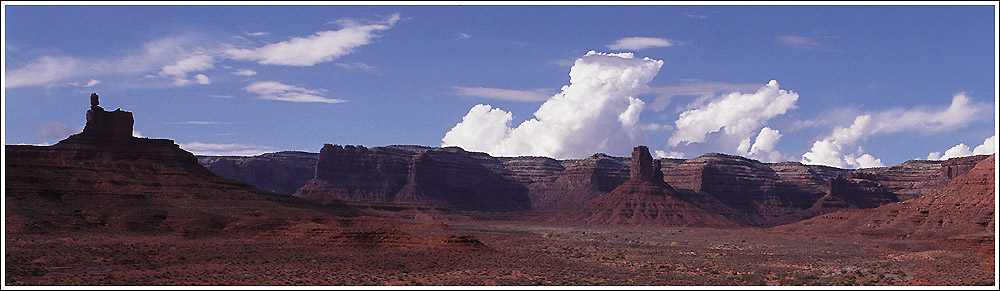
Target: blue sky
[(855, 86)]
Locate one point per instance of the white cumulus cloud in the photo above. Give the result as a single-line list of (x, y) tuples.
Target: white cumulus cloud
[(324, 46), (833, 150), (660, 154), (735, 115), (864, 161), (224, 149), (639, 42), (763, 147), (596, 112), (988, 147), (272, 90)]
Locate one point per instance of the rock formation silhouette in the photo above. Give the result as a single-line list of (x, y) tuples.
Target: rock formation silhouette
[(105, 125), (104, 179)]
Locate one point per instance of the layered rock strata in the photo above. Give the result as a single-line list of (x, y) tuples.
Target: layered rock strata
[(916, 178), (554, 184), (281, 172), (966, 206), (759, 194), (753, 193), (445, 177), (644, 199)]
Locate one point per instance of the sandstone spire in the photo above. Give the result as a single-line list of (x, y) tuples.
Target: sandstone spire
[(642, 164), (107, 125)]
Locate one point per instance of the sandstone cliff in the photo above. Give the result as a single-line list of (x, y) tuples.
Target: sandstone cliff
[(964, 206), (281, 172), (916, 178), (644, 199), (554, 184), (444, 177), (760, 194), (745, 190)]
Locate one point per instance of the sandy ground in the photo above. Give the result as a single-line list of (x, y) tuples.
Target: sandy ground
[(510, 253)]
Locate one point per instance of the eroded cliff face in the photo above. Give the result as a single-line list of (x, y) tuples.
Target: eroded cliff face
[(447, 177), (760, 194), (747, 191), (965, 206), (917, 178), (281, 172), (554, 184), (644, 199), (456, 179)]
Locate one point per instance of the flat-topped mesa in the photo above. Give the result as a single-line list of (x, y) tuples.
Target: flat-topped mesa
[(107, 125), (642, 165)]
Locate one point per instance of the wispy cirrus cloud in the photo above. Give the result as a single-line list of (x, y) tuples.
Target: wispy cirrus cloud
[(358, 66), (42, 71), (165, 56), (799, 41), (639, 43), (324, 46), (272, 90), (56, 131), (244, 72), (183, 59), (182, 67), (705, 90), (200, 122), (505, 94)]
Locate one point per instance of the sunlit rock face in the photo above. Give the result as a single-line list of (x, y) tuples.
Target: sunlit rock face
[(965, 206), (645, 200)]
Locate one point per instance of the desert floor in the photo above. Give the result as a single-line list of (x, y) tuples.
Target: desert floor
[(510, 253)]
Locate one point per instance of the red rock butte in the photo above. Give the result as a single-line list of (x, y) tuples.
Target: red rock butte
[(645, 199), (105, 180)]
